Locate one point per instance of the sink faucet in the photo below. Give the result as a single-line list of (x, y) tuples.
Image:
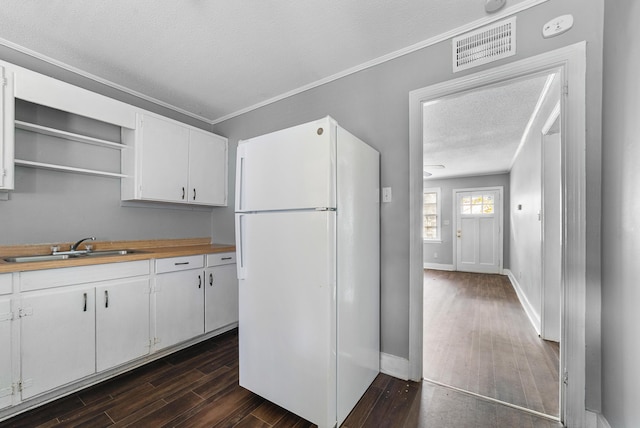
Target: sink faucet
[(74, 247)]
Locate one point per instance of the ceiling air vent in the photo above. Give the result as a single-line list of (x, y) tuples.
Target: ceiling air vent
[(484, 45)]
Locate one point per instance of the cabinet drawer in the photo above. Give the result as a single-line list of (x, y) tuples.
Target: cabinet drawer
[(175, 264), (221, 259), (5, 283)]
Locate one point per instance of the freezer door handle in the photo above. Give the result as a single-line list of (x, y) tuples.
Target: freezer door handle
[(240, 232)]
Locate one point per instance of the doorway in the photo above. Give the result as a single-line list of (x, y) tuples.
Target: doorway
[(495, 318), (570, 61)]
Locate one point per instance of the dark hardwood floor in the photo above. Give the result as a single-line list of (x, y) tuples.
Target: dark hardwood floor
[(198, 387), (477, 337)]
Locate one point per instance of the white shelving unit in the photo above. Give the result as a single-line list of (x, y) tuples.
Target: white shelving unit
[(58, 133)]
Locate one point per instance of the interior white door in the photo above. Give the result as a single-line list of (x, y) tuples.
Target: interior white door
[(478, 233), (552, 237), (287, 326), (289, 169)]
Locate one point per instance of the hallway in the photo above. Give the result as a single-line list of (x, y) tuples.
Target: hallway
[(477, 338)]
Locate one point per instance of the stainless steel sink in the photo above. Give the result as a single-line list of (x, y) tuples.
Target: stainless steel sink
[(38, 258), (50, 257)]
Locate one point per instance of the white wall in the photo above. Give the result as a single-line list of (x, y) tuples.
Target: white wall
[(445, 248), (526, 207), (620, 218)]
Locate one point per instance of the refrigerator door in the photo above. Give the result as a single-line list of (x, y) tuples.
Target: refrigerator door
[(287, 328), (294, 168)]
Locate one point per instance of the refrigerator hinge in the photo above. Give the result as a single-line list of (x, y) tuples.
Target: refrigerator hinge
[(325, 209)]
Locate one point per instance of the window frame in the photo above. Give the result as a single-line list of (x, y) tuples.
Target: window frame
[(438, 193)]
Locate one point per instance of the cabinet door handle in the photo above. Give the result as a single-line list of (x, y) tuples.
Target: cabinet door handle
[(199, 281), (183, 193), (85, 302), (194, 194), (106, 298), (211, 279)]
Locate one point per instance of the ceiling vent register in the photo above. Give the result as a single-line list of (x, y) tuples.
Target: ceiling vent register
[(485, 45)]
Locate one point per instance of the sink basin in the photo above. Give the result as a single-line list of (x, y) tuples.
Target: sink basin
[(50, 257), (38, 258)]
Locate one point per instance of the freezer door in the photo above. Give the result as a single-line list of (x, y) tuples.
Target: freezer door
[(287, 328), (289, 169)]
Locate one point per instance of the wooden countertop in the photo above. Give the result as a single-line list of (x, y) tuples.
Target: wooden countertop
[(147, 249)]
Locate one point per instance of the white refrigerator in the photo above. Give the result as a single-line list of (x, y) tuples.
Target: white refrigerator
[(308, 250)]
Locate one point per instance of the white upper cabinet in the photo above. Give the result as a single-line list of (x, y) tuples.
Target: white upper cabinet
[(172, 162), (6, 129), (207, 168), (164, 157)]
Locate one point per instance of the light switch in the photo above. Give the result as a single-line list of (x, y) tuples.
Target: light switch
[(386, 194)]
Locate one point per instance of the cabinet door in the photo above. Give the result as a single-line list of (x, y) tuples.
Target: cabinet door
[(165, 160), (5, 353), (221, 297), (57, 338), (179, 307), (207, 168), (7, 106), (122, 322)]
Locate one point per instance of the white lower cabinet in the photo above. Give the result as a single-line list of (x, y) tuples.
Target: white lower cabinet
[(6, 389), (122, 322), (57, 338), (221, 291), (179, 291)]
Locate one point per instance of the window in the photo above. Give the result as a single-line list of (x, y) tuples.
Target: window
[(431, 213), (477, 204)]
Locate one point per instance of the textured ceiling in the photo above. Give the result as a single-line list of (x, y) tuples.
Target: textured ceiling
[(479, 132), (212, 58)]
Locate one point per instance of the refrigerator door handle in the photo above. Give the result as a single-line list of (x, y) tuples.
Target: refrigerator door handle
[(240, 182), (241, 262)]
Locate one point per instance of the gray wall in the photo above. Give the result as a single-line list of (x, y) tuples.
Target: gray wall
[(620, 219), (445, 248), (373, 104)]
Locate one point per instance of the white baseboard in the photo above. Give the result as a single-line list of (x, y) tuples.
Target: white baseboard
[(394, 366), (596, 420), (532, 314), (438, 266)]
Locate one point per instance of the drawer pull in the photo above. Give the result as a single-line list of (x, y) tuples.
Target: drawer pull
[(226, 258), (181, 263)]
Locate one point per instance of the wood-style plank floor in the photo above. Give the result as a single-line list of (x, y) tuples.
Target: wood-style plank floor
[(477, 338), (198, 387)]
